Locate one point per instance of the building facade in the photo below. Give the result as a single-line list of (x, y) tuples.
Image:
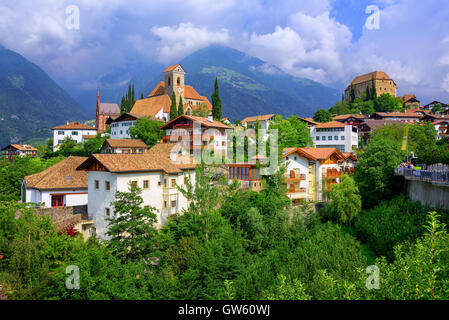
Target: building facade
[(264, 121), (158, 173), (61, 185), (335, 134), (104, 111), (125, 146), (360, 85), (75, 130)]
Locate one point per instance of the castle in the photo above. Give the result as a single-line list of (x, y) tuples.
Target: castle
[(382, 82)]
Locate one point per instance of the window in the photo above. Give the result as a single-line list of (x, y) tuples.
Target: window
[(61, 133), (165, 183), (178, 81), (107, 185), (317, 138), (107, 212), (329, 138), (173, 204), (169, 82), (342, 138), (146, 184), (60, 141), (336, 137), (296, 158), (134, 183), (165, 204), (173, 183), (324, 138), (97, 184), (57, 201), (74, 133), (286, 158)]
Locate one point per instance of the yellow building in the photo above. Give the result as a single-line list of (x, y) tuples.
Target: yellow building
[(383, 83)]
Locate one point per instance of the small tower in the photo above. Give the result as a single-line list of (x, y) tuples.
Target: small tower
[(174, 81), (97, 113)]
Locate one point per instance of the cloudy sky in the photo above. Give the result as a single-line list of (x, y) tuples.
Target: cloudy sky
[(324, 40)]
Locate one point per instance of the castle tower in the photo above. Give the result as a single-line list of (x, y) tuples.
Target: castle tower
[(174, 81)]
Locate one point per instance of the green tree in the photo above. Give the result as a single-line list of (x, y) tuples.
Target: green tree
[(375, 172), (147, 130), (173, 108), (292, 132), (180, 107), (132, 228), (201, 111), (128, 100), (341, 107), (346, 202), (387, 103), (322, 115), (437, 108), (216, 102)]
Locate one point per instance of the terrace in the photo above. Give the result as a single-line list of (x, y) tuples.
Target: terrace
[(437, 174)]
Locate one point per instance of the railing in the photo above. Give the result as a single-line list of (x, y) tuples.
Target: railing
[(295, 177), (297, 190), (435, 173), (332, 174)]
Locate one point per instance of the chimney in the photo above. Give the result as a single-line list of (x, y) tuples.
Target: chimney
[(210, 118), (67, 122)]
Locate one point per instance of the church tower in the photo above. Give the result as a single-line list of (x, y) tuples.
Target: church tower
[(174, 82), (97, 113)]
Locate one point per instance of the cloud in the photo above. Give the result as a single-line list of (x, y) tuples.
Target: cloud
[(177, 42)]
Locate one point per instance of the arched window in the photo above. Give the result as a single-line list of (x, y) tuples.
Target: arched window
[(169, 82), (178, 81)]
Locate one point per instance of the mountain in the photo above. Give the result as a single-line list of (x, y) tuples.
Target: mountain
[(30, 101), (248, 85)]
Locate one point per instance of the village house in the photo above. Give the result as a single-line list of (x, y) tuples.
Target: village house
[(433, 117), (131, 146), (264, 121), (104, 111), (157, 172), (409, 117), (310, 171), (158, 103), (120, 125), (369, 126), (360, 84), (430, 105), (212, 134), (410, 101), (335, 134), (309, 121), (12, 151), (353, 119), (78, 132), (442, 128), (61, 185), (247, 174)]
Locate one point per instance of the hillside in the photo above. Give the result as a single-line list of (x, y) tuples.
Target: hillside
[(30, 101), (248, 86)]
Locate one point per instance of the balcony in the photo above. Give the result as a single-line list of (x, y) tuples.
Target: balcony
[(295, 177), (332, 174)]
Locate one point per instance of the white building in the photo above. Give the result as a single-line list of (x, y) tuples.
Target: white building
[(61, 185), (131, 146), (335, 134), (442, 128), (157, 172), (309, 171), (264, 121), (77, 131)]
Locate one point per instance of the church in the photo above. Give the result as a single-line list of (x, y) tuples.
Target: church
[(104, 111), (158, 103)]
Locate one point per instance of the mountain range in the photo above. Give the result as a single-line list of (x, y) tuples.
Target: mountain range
[(30, 101)]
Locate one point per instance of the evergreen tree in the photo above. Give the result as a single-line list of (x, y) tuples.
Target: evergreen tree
[(128, 100), (173, 110), (373, 90), (352, 93), (141, 96), (216, 103), (180, 107)]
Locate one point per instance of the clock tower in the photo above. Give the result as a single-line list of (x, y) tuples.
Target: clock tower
[(174, 82)]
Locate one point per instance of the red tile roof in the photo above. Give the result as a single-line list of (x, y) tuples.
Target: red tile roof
[(377, 75), (152, 106), (331, 124), (204, 122), (21, 147), (258, 118), (171, 68), (74, 126)]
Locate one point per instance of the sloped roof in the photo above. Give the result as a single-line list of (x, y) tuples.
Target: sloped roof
[(158, 90), (109, 108), (331, 124), (313, 153), (398, 115), (152, 106), (21, 147), (350, 155), (204, 122), (62, 175), (309, 120), (173, 67), (157, 158), (407, 97), (125, 143), (374, 124), (74, 126), (377, 75), (258, 118), (346, 116)]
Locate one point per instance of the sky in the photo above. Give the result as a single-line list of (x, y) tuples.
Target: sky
[(329, 41)]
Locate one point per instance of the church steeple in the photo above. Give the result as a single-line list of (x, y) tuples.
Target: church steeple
[(97, 113), (174, 81)]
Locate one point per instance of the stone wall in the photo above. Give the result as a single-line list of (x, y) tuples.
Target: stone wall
[(432, 195)]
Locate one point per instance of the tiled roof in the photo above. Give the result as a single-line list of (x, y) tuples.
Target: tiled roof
[(88, 136), (407, 97), (374, 124), (350, 155), (346, 116), (190, 93), (125, 143), (331, 124), (204, 122), (313, 153), (62, 175), (377, 75), (310, 120), (21, 147), (74, 126), (152, 106), (206, 101), (109, 108), (258, 118), (158, 90), (398, 115), (158, 158), (171, 68)]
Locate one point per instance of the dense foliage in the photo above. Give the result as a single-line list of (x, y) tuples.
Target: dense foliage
[(322, 115), (147, 130)]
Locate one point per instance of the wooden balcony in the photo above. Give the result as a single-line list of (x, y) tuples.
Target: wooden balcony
[(296, 190), (332, 174), (294, 176)]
